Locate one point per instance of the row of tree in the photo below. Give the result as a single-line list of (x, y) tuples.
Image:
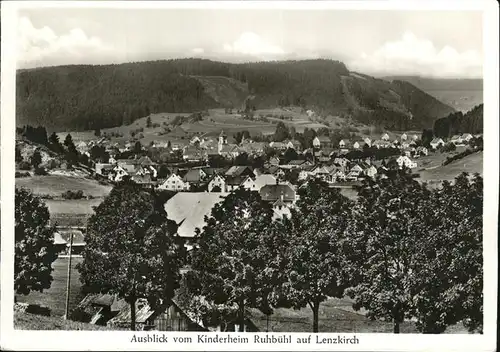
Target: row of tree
[(402, 251)]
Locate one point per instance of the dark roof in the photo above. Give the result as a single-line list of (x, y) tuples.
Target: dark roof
[(274, 192), (193, 175), (239, 171), (235, 180)]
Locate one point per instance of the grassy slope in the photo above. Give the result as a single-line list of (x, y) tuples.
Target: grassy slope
[(26, 321), (55, 185), (55, 297), (472, 163)]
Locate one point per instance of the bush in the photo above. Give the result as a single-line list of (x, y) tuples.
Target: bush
[(22, 174), (449, 147), (73, 195), (40, 171), (24, 165)]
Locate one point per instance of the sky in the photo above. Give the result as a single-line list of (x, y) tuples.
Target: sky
[(424, 43)]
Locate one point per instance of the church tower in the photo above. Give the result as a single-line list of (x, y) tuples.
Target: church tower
[(222, 140)]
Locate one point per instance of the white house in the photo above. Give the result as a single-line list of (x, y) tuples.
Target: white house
[(174, 183), (406, 161), (368, 141), (118, 174), (467, 137), (456, 139), (217, 181), (385, 137), (422, 151), (436, 143), (316, 142), (404, 137)]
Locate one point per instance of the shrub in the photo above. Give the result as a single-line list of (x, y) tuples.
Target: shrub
[(40, 171), (73, 195), (24, 165), (22, 174)]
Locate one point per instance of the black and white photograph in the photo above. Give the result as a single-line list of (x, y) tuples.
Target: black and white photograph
[(285, 176)]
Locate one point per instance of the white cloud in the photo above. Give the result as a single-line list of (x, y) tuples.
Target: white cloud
[(251, 44), (416, 56), (198, 50), (42, 46)]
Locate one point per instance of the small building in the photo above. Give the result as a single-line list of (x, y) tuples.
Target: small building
[(406, 162), (404, 137), (62, 240), (466, 137), (456, 139), (436, 143), (385, 137)]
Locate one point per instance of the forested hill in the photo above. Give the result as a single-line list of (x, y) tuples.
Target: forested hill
[(85, 97)]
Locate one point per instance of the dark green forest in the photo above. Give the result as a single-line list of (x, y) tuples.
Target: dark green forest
[(458, 122), (85, 97)]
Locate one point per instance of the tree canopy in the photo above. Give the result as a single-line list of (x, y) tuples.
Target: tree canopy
[(131, 248), (34, 244)]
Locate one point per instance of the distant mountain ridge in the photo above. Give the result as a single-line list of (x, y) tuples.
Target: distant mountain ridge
[(83, 97), (430, 84)]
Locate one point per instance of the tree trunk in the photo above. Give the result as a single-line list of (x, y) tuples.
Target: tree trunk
[(396, 327), (315, 309), (242, 316), (396, 317), (132, 314)]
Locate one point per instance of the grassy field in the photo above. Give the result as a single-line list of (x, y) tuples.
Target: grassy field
[(471, 163), (26, 321), (55, 297), (55, 185), (73, 206)]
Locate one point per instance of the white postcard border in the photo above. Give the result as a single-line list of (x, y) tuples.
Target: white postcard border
[(114, 340)]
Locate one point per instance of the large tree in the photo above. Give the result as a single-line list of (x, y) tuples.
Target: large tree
[(228, 261), (34, 244), (453, 256), (131, 248), (389, 224), (417, 254), (316, 267)]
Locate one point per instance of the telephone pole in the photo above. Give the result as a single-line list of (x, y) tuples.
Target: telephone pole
[(69, 276)]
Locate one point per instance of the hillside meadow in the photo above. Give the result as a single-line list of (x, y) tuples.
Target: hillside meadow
[(55, 185)]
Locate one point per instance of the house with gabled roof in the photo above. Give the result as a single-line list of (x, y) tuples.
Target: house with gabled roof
[(466, 137), (294, 144), (174, 183), (283, 192), (404, 137), (436, 143), (456, 139), (385, 137), (217, 183), (406, 162)]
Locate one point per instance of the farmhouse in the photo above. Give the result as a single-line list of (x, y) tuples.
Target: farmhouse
[(239, 171), (109, 310), (385, 137)]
